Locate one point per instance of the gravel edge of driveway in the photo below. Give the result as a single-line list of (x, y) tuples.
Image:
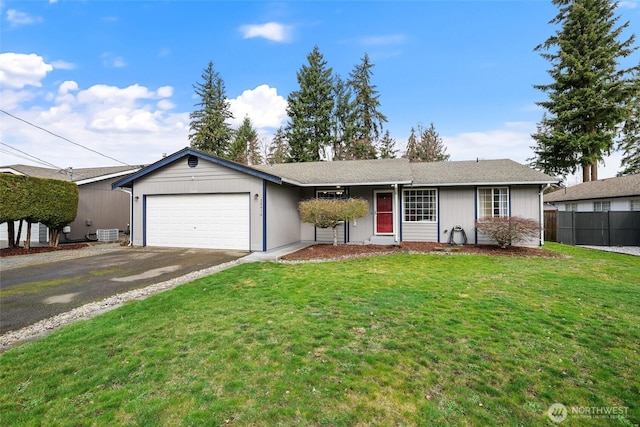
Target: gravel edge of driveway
[(87, 311), (629, 250)]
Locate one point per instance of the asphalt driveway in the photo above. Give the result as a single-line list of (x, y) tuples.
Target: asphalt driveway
[(48, 285)]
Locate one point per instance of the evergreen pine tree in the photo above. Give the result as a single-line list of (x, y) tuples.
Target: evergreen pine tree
[(412, 147), (630, 142), (387, 147), (244, 144), (342, 119), (368, 120), (278, 149), (210, 131), (431, 148), (309, 110), (587, 97)]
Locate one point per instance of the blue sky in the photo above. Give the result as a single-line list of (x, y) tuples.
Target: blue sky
[(117, 76)]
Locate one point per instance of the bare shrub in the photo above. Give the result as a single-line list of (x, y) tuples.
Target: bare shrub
[(325, 213), (509, 229)]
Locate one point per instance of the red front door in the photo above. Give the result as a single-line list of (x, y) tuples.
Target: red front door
[(384, 213)]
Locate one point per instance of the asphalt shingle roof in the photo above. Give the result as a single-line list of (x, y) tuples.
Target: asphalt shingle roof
[(76, 175), (401, 171), (356, 172), (623, 186)]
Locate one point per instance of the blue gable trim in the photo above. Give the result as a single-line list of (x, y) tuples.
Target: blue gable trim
[(127, 181)]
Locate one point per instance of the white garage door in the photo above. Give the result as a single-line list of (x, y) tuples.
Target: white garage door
[(218, 221)]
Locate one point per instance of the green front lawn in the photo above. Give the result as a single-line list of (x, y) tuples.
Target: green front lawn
[(392, 340)]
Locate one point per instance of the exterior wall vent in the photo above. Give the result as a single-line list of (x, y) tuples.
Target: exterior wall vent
[(192, 161), (107, 235)]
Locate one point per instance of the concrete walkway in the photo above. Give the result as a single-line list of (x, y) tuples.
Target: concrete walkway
[(275, 254)]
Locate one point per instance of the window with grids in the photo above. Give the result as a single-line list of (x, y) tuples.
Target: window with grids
[(635, 204), (601, 206), (330, 194), (493, 202), (420, 205), (571, 206)]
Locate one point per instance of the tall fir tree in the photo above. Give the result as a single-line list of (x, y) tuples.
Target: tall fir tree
[(587, 97), (209, 130), (309, 110), (630, 142), (387, 148), (412, 147), (244, 148), (278, 149), (429, 148), (342, 119), (368, 120)]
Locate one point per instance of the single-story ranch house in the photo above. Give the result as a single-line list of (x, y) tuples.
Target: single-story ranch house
[(98, 206), (193, 199), (611, 194)]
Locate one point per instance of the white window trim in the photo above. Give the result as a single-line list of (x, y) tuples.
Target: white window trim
[(600, 203), (637, 205), (336, 190), (479, 207), (422, 221)]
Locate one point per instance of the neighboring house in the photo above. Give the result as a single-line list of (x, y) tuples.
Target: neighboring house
[(611, 194), (98, 206), (193, 199)]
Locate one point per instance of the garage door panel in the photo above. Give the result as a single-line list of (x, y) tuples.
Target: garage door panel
[(214, 221)]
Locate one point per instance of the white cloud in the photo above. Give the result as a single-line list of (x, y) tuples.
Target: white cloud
[(263, 105), (166, 105), (66, 87), (512, 141), (18, 70), (63, 65), (271, 31), (110, 60), (17, 18)]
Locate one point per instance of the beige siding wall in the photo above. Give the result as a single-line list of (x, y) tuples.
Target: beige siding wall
[(206, 178), (283, 219), (457, 207), (100, 206)]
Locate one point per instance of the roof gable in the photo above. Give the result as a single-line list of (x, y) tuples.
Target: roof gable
[(185, 152), (622, 186)]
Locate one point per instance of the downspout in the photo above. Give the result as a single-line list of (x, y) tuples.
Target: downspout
[(541, 196), (395, 208)]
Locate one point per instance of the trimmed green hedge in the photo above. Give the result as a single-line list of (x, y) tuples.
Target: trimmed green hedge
[(51, 202)]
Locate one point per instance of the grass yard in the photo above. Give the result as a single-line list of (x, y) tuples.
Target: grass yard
[(460, 340)]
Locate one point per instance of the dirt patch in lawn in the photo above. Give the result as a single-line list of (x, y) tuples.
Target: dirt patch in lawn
[(39, 249), (324, 252)]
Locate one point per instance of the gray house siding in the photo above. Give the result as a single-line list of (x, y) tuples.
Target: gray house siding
[(283, 220), (362, 229), (205, 178), (457, 207), (99, 208)]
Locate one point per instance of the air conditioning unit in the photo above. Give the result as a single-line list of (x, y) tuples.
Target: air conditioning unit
[(107, 235)]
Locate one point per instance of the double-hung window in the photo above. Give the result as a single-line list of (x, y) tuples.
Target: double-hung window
[(634, 204), (493, 202), (572, 206), (600, 206), (420, 205)]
